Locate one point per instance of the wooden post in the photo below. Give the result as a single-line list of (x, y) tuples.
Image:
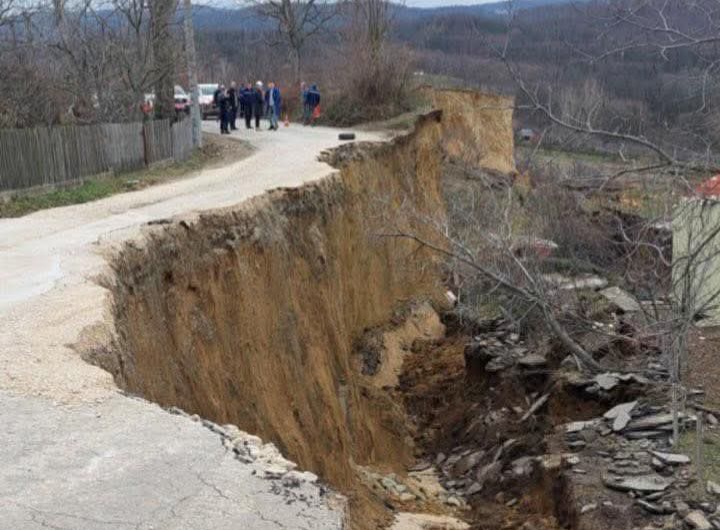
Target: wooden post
[(699, 447), (146, 144), (192, 75)]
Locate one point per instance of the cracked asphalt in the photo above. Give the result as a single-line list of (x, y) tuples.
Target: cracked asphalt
[(129, 465)]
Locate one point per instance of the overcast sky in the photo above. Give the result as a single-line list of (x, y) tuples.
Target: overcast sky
[(441, 3)]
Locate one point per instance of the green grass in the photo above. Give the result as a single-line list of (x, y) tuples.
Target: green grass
[(90, 190), (96, 188), (711, 459)]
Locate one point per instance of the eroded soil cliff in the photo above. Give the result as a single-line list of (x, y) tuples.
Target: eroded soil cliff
[(477, 128), (248, 316)]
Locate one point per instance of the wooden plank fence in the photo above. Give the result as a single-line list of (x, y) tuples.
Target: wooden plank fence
[(57, 155)]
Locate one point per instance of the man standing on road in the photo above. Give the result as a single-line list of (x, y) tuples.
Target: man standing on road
[(258, 103), (273, 105), (233, 105), (246, 99), (223, 105), (216, 98), (313, 99), (304, 102)]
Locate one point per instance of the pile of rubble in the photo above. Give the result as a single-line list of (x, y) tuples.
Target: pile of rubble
[(629, 447), (499, 350), (466, 472), (266, 459), (421, 485)]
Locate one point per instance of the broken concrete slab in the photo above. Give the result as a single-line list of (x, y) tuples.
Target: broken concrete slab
[(620, 415), (532, 360), (641, 483), (130, 462), (696, 519), (641, 435), (713, 488), (673, 459), (650, 422), (618, 409), (577, 426), (632, 377), (621, 299), (621, 421), (468, 462), (423, 521), (649, 507), (607, 381), (523, 466)]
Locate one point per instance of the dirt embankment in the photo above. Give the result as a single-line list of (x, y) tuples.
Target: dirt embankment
[(477, 128), (248, 316)]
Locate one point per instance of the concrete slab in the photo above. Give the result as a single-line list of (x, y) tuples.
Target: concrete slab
[(128, 464)]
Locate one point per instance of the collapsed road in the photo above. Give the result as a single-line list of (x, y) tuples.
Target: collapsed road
[(77, 453), (144, 336)]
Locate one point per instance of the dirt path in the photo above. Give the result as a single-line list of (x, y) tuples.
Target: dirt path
[(65, 427)]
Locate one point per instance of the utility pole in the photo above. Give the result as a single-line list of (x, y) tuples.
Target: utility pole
[(191, 59)]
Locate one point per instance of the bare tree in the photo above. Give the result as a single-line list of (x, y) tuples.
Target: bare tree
[(296, 22), (657, 28), (680, 282), (381, 70), (135, 50), (162, 13)]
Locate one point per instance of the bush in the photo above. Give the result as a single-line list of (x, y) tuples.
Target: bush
[(376, 88)]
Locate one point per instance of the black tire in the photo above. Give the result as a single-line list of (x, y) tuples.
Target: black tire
[(346, 136), (204, 117)]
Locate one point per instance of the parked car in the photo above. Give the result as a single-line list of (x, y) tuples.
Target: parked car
[(182, 100), (207, 105)]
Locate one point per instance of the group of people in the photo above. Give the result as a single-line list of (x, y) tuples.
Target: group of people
[(255, 102)]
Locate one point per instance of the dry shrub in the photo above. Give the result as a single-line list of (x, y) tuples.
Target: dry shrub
[(374, 88), (583, 238)]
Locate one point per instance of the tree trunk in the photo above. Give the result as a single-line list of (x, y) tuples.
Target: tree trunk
[(161, 17), (192, 75), (295, 60)]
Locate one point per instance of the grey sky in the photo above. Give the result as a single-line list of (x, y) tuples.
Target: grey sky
[(441, 3)]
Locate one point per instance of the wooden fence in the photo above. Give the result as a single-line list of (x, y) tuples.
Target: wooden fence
[(58, 155)]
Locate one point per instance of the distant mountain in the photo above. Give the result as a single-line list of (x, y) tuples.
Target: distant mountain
[(234, 18), (491, 9)]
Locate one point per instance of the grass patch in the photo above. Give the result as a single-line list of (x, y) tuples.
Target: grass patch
[(710, 458), (214, 151)]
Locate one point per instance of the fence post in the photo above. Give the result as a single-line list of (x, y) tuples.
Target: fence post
[(699, 464), (146, 144)]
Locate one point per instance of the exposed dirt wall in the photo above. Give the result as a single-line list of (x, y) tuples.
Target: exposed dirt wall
[(248, 316), (477, 128)]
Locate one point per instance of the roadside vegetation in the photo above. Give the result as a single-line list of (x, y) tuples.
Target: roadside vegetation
[(215, 151)]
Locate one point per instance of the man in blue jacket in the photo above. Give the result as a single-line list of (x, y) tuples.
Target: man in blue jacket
[(313, 101), (247, 97), (273, 105)]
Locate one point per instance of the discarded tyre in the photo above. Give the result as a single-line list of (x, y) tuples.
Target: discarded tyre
[(346, 136)]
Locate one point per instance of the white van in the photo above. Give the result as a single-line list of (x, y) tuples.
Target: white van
[(207, 105)]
